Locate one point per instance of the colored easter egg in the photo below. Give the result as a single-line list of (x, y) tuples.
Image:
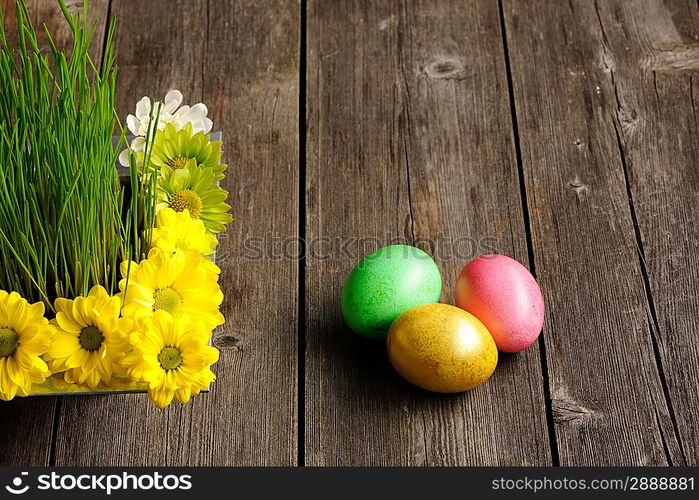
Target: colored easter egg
[(386, 283), (504, 295), (441, 348)]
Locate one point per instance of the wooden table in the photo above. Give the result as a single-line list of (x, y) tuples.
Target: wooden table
[(563, 134)]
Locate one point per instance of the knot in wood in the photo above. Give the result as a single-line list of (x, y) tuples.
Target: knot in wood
[(230, 342), (445, 68)]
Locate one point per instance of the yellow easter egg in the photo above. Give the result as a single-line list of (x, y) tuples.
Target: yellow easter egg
[(441, 348)]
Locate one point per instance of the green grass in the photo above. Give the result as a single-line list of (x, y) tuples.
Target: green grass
[(66, 222)]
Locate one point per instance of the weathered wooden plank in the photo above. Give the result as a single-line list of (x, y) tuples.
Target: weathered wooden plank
[(608, 400), (34, 417), (22, 418), (253, 91), (410, 135), (241, 59), (655, 63), (155, 52)]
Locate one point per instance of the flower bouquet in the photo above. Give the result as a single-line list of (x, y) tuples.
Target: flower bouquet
[(107, 276)]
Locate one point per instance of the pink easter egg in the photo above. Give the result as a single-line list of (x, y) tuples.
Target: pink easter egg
[(505, 297)]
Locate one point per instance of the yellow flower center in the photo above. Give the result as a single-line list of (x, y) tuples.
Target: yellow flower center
[(9, 341), (188, 199), (90, 338), (166, 299), (170, 358), (178, 163)]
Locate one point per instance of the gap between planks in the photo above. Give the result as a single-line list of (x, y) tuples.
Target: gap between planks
[(555, 460), (301, 357)]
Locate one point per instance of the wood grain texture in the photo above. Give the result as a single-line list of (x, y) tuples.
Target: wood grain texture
[(410, 139), (253, 93), (409, 136), (654, 61), (608, 399), (35, 416), (241, 59)]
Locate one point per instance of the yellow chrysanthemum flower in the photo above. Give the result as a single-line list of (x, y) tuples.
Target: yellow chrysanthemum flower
[(177, 147), (91, 339), (24, 336), (178, 231), (194, 188), (180, 283), (173, 357)]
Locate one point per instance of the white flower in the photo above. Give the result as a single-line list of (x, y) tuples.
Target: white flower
[(170, 112)]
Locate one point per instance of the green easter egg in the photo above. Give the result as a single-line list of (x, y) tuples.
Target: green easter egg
[(385, 284)]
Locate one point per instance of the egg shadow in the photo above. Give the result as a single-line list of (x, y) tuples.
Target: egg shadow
[(362, 378), (355, 361), (507, 358)]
